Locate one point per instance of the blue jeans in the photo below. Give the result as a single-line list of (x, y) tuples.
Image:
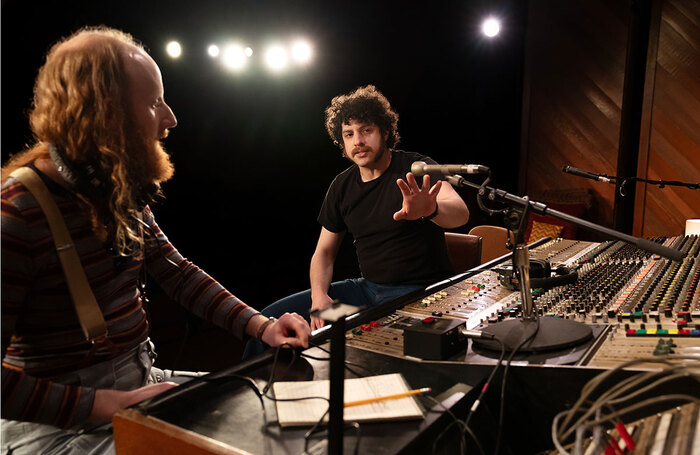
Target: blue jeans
[(356, 291)]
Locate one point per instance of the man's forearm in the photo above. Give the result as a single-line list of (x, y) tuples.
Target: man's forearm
[(320, 275), (452, 213)]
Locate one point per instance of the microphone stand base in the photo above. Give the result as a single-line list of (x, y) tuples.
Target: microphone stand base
[(552, 334)]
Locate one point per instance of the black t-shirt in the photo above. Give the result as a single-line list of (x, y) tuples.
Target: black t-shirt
[(389, 252)]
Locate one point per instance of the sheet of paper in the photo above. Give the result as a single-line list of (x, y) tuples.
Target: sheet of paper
[(309, 411)]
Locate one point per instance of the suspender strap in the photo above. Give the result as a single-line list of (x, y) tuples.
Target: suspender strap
[(91, 320)]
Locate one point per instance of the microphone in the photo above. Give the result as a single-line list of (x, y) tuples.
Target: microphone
[(585, 174), (419, 169)]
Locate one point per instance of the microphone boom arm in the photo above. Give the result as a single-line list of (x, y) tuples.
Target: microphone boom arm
[(542, 209)]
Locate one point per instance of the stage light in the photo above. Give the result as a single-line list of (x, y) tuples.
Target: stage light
[(491, 27), (301, 52), (213, 50), (234, 57), (276, 58), (248, 51), (174, 49)]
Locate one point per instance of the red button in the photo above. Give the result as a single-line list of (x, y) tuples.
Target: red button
[(365, 327), (374, 324), (428, 320)]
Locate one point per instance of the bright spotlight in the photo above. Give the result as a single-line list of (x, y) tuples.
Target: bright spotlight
[(234, 57), (213, 50), (173, 49), (301, 52), (248, 51), (276, 58), (491, 27)]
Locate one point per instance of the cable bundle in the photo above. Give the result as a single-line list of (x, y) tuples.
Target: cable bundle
[(591, 415)]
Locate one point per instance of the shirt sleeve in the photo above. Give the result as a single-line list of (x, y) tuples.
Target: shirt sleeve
[(190, 286), (25, 397), (330, 217)]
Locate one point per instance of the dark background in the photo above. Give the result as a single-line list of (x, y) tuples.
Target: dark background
[(252, 158)]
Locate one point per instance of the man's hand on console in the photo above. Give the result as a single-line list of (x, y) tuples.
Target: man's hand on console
[(317, 323), (290, 329), (108, 402)]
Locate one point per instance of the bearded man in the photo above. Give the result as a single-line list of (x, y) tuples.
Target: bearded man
[(98, 117), (397, 225)]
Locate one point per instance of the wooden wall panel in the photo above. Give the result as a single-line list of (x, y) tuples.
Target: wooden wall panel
[(575, 62), (574, 75), (672, 150)]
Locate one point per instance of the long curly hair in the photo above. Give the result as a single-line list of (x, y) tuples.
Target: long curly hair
[(80, 105), (366, 104)]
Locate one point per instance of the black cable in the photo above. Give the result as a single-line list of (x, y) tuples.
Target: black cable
[(455, 421), (444, 432), (475, 405), (368, 370), (503, 384), (488, 381), (314, 428), (250, 382), (479, 198), (274, 365)]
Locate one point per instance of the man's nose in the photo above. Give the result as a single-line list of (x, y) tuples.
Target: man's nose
[(170, 121), (358, 139)]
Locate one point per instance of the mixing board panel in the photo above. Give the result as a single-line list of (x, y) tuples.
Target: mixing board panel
[(650, 304), (474, 299)]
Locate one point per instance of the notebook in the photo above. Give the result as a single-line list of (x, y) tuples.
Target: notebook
[(309, 411)]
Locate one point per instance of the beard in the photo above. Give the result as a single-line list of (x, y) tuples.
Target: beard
[(149, 163), (380, 153), (159, 168)]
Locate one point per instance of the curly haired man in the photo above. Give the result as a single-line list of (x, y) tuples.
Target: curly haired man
[(397, 224)]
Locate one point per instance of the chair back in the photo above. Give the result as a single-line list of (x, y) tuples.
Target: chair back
[(464, 250), (493, 241)]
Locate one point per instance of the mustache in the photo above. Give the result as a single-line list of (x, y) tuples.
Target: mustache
[(164, 134), (360, 149)]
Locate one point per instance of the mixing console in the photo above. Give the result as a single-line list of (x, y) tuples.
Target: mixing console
[(650, 305)]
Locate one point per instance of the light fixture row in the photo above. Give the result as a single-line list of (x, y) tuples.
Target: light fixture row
[(235, 56)]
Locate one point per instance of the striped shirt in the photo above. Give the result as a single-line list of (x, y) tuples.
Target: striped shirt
[(41, 335)]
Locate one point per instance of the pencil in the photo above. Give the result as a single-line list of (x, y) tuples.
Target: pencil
[(388, 397)]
